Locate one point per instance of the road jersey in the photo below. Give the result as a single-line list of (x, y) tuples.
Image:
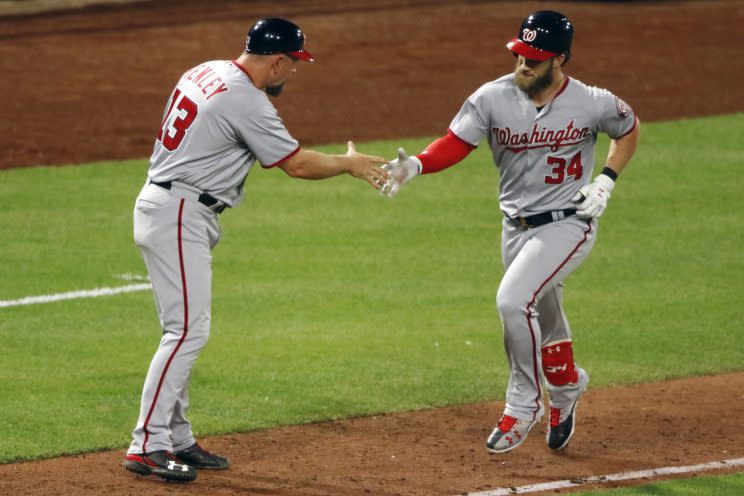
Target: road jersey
[(543, 156), (215, 126)]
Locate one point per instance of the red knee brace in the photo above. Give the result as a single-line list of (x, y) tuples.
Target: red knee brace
[(558, 363)]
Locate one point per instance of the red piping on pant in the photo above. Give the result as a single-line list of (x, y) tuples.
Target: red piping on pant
[(535, 348), (185, 327)]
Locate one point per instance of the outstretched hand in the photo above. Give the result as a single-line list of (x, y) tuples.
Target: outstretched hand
[(366, 167), (401, 170)]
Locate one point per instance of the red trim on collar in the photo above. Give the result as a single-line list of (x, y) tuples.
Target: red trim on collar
[(237, 64), (565, 83)]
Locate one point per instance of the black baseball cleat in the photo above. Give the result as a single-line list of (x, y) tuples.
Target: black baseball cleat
[(563, 420), (162, 464), (197, 457), (560, 433)]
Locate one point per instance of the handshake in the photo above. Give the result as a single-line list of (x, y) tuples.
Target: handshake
[(590, 200), (400, 171)]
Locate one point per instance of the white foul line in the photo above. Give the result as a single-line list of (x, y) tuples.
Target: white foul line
[(72, 295), (598, 479)]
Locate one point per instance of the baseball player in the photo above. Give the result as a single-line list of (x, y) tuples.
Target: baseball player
[(541, 126), (217, 123)]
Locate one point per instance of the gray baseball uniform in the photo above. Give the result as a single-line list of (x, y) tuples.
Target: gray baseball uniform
[(544, 157), (215, 126)]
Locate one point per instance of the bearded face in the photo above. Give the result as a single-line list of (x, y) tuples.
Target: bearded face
[(532, 76)]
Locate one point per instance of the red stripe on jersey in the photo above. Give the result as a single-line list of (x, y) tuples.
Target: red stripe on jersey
[(549, 145), (635, 123), (282, 160)]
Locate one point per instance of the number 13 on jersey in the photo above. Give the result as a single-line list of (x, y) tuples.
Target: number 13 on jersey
[(172, 133)]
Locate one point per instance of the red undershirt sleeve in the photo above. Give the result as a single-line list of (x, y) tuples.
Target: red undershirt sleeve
[(444, 152)]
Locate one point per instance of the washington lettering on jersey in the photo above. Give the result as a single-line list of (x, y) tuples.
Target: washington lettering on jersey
[(206, 79), (552, 138), (544, 157)]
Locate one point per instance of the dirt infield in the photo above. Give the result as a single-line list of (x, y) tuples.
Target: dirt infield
[(26, 7), (91, 85), (433, 452)]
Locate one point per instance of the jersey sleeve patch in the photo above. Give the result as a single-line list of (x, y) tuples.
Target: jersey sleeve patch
[(623, 109)]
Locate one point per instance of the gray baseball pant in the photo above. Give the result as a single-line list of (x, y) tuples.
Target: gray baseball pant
[(175, 234), (529, 299)]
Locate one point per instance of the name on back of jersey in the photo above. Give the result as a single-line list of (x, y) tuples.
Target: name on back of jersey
[(206, 79)]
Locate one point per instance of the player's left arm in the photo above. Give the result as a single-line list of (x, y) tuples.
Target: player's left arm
[(592, 198), (622, 150), (615, 118)]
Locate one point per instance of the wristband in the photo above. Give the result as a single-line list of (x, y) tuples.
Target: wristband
[(609, 173), (416, 161)]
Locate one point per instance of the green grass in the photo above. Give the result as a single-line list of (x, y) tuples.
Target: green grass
[(721, 485), (330, 301)]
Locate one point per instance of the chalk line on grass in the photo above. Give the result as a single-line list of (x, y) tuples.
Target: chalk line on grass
[(599, 479), (73, 295)]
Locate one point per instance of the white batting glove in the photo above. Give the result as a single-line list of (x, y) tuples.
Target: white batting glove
[(401, 170), (593, 197)]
